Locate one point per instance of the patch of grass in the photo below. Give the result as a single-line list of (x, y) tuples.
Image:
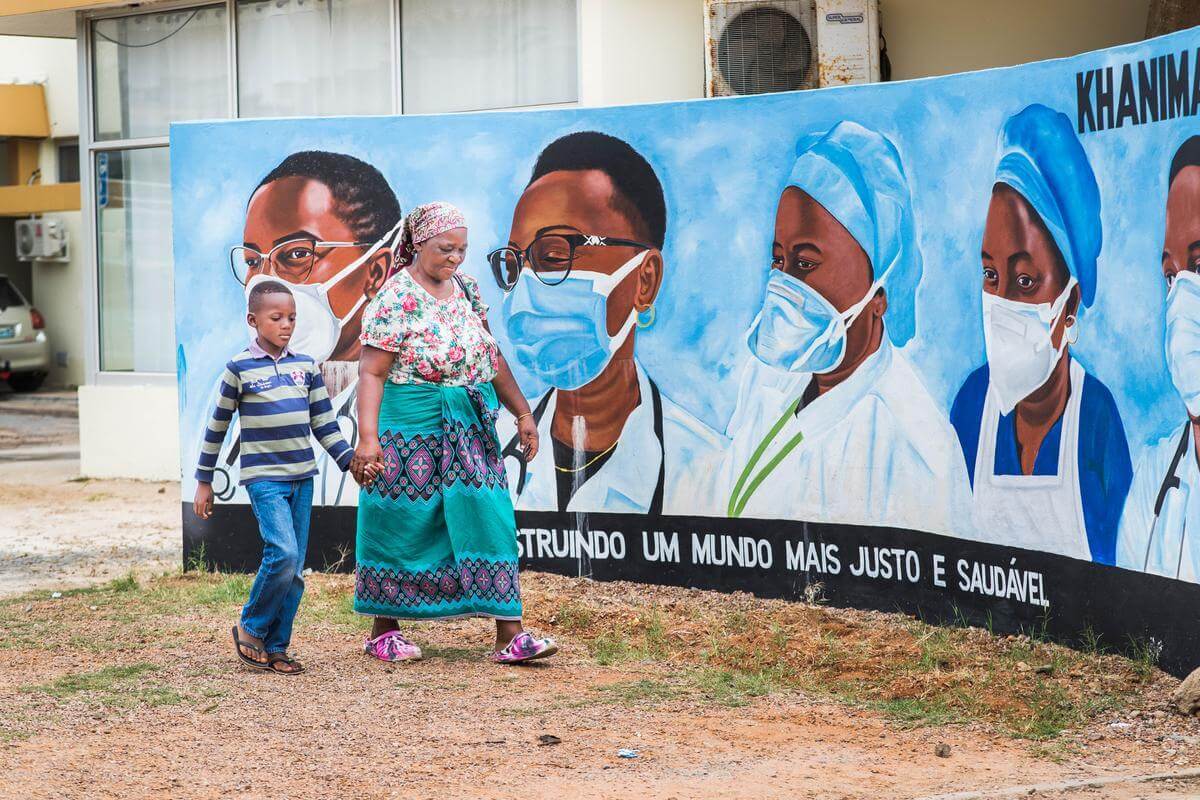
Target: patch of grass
[(628, 693), (1144, 654), (230, 589), (197, 560), (1049, 712), (644, 640), (734, 688), (96, 497), (916, 712), (573, 617), (333, 608), (103, 680), (114, 687), (127, 584)]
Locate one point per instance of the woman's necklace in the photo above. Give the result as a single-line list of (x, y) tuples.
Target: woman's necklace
[(591, 461)]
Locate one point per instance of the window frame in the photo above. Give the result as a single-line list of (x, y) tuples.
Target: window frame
[(89, 148)]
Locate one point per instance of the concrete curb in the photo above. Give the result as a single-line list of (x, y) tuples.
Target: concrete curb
[(1080, 783), (62, 453), (9, 407)]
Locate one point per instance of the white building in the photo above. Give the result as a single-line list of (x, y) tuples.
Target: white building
[(135, 67)]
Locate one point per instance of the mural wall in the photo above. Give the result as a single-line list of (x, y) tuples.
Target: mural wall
[(932, 345)]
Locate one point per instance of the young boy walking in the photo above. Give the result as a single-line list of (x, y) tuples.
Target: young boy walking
[(280, 397)]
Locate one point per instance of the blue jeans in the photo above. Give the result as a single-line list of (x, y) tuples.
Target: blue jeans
[(283, 509)]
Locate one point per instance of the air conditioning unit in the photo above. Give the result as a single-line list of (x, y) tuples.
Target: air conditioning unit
[(756, 46), (41, 239)]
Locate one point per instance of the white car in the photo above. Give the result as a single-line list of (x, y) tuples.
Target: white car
[(24, 349)]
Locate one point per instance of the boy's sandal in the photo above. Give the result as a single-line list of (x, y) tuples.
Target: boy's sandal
[(284, 658), (239, 643)]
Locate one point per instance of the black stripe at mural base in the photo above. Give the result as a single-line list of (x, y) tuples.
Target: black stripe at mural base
[(938, 578)]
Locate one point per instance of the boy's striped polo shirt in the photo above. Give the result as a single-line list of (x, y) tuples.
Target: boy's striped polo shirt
[(279, 401)]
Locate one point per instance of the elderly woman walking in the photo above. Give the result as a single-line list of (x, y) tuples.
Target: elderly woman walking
[(436, 531)]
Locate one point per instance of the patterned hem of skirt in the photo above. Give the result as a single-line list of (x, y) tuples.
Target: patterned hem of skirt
[(447, 618)]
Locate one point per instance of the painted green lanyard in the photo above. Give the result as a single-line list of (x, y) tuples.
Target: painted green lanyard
[(738, 500)]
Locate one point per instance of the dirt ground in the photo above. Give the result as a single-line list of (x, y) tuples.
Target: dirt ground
[(128, 689)]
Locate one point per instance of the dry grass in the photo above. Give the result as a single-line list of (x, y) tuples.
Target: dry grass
[(708, 648), (735, 646)]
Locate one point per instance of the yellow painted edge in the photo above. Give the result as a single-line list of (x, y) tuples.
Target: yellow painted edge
[(40, 198), (13, 8), (23, 110)]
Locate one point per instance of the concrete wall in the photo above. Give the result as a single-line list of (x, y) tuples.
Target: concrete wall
[(58, 288), (937, 37), (635, 51), (25, 59), (129, 431)]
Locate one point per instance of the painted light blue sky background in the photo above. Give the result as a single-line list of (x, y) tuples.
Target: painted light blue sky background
[(723, 164)]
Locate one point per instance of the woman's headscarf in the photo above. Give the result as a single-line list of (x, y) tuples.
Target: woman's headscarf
[(422, 224), (1040, 157), (857, 176)]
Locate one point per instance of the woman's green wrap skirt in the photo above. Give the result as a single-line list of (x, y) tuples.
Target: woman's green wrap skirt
[(437, 538)]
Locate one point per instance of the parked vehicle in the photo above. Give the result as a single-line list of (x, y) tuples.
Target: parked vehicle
[(24, 349)]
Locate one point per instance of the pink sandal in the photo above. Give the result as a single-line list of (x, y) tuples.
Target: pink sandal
[(525, 647), (392, 646)]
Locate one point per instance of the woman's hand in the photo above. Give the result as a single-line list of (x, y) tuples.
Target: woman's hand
[(367, 461), (528, 433)]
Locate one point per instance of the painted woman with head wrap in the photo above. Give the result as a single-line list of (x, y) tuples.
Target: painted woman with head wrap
[(832, 423), (1041, 437), (436, 535)]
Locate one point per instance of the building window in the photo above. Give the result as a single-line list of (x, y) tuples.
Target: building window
[(292, 58), (314, 57), (68, 161), (133, 231), (150, 70), (462, 55)]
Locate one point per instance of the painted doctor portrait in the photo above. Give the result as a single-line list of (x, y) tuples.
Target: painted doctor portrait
[(1160, 527), (582, 269), (322, 223), (832, 422), (1042, 437)]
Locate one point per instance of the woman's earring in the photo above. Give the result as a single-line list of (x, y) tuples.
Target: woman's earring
[(646, 323), (1072, 329)]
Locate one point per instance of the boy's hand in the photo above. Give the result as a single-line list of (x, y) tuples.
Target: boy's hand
[(367, 472), (203, 504)]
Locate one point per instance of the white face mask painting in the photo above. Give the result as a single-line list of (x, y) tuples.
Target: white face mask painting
[(1183, 338), (317, 327), (1020, 351), (798, 330)]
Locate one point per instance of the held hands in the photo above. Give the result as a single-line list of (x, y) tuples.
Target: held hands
[(367, 462), (528, 434), (203, 504)]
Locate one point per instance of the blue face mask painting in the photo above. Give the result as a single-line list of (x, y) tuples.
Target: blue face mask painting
[(560, 333), (798, 330)]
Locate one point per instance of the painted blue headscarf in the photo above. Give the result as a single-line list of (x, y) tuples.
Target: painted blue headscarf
[(1040, 157), (857, 176)]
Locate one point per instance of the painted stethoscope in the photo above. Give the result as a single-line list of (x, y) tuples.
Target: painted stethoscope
[(1171, 481), (513, 448)]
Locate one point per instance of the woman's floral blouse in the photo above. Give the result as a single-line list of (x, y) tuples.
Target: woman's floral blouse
[(435, 341)]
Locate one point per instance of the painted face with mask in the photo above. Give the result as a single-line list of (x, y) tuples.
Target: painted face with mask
[(1030, 300), (844, 251), (567, 325), (1181, 268), (821, 284), (297, 231)]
